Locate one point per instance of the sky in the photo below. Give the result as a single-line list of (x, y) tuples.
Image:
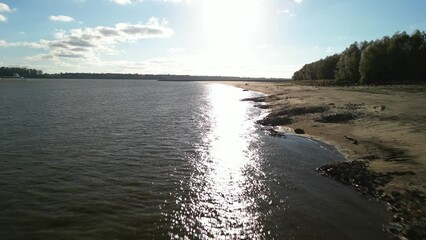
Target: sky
[(247, 38)]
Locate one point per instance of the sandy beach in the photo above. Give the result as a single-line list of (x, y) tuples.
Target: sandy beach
[(383, 127)]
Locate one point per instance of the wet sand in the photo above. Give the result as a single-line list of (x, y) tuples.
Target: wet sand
[(380, 130)]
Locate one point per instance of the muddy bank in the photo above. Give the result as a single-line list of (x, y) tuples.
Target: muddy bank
[(380, 131)]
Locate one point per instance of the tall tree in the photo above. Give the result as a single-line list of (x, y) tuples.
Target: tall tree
[(347, 68)]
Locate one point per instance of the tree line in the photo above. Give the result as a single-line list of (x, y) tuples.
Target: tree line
[(34, 73), (23, 72), (397, 59)]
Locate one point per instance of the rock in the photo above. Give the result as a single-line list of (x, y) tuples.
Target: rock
[(299, 131), (275, 133)]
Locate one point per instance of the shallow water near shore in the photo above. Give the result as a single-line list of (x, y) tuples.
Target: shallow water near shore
[(123, 159)]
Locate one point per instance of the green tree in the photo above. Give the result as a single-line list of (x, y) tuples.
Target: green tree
[(373, 62), (347, 68)]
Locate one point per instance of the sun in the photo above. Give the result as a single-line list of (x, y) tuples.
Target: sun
[(230, 30), (230, 22)]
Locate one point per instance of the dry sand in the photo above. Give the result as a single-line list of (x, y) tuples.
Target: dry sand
[(390, 126)]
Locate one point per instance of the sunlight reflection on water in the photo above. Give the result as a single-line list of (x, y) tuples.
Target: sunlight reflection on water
[(222, 202)]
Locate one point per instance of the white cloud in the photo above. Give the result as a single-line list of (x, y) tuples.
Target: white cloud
[(122, 2), (175, 1), (61, 18), (125, 2), (40, 44), (128, 2), (91, 43), (298, 1), (4, 8)]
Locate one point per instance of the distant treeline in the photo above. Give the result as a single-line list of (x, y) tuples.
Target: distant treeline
[(161, 77), (23, 72), (397, 59), (34, 73)]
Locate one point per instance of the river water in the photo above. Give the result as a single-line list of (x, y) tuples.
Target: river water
[(128, 159)]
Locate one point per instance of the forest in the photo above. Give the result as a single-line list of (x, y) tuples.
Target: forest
[(23, 72), (400, 58)]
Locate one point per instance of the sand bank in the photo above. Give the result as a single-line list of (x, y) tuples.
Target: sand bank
[(384, 127)]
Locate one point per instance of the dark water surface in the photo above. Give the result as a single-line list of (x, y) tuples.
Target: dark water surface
[(122, 159)]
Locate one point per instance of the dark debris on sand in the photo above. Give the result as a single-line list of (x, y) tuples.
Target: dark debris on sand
[(269, 98), (408, 220), (283, 116), (337, 118), (275, 120)]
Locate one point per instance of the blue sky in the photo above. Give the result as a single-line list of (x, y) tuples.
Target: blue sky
[(266, 38)]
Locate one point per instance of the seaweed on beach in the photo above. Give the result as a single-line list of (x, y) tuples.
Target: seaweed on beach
[(408, 210), (302, 110), (357, 175), (269, 98), (263, 106), (271, 120), (337, 118), (408, 220), (283, 116), (391, 153), (254, 99)]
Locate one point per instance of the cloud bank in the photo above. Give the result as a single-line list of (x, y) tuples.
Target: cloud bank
[(90, 43)]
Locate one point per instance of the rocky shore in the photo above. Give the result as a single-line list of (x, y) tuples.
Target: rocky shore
[(379, 129)]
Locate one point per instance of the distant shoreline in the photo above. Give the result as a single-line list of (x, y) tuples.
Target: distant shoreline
[(11, 78), (158, 77)]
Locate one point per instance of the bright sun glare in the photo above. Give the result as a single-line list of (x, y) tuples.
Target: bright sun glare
[(230, 23), (230, 29)]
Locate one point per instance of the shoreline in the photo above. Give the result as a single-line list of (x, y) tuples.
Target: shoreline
[(379, 130)]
